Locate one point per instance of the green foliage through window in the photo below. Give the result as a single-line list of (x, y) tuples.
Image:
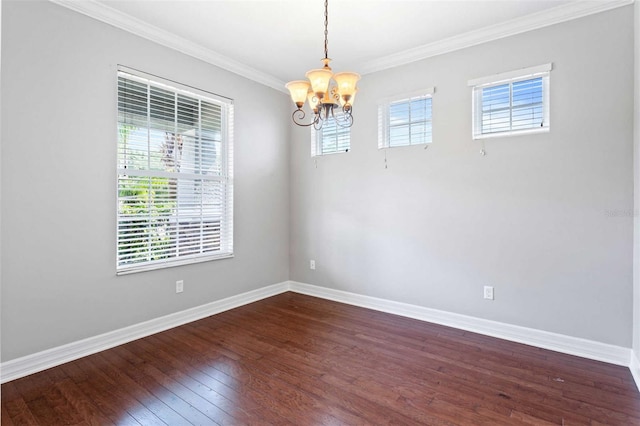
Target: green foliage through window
[(174, 186)]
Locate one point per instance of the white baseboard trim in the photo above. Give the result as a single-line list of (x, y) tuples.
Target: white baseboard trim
[(543, 339), (634, 366), (39, 361)]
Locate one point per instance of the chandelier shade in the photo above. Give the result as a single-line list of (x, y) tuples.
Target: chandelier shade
[(330, 96), (346, 82), (313, 100), (298, 90), (319, 80)]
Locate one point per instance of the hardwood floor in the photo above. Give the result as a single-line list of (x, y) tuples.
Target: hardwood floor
[(294, 359)]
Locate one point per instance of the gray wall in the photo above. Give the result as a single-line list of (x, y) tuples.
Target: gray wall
[(59, 182), (636, 157), (544, 218)]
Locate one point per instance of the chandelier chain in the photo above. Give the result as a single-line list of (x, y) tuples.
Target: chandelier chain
[(326, 26)]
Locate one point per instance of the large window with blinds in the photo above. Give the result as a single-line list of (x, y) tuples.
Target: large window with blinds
[(405, 120), (511, 103), (175, 180), (330, 139)]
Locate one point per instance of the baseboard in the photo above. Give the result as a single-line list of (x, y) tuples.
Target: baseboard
[(39, 361), (634, 366), (556, 342)]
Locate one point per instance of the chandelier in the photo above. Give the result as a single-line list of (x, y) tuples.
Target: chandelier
[(329, 95)]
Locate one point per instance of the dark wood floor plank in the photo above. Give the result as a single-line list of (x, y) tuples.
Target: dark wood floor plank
[(83, 406), (5, 417), (155, 397), (467, 356), (278, 364), (220, 388), (545, 380), (382, 367), (155, 352), (153, 366), (232, 386), (9, 392), (127, 394), (305, 360), (31, 387), (298, 360), (289, 402), (363, 408), (45, 401), (45, 413), (112, 400), (208, 333), (18, 412)]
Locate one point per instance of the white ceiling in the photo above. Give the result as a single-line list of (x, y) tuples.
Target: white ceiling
[(274, 41)]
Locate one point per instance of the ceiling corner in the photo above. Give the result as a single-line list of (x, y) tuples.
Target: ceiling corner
[(531, 22), (108, 15)]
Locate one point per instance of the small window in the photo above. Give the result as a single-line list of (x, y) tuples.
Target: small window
[(511, 103), (405, 120), (330, 139), (175, 184)]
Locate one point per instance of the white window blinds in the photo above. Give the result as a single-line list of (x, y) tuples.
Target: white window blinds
[(511, 103), (331, 138), (175, 185), (405, 120)]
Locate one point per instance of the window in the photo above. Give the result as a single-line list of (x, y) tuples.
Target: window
[(330, 139), (511, 103), (175, 185), (405, 120)]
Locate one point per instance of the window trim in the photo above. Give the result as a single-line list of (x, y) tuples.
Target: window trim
[(227, 124), (384, 138), (510, 77), (143, 77)]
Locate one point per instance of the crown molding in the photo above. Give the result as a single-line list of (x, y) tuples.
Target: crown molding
[(534, 21), (111, 16)]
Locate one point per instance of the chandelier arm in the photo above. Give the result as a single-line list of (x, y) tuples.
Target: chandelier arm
[(347, 120), (334, 94), (299, 115), (328, 112), (332, 113)]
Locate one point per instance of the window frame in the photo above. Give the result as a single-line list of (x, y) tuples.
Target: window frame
[(384, 117), (224, 178), (525, 74)]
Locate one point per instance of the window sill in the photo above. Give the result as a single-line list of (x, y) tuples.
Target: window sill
[(419, 145), (331, 153), (170, 264), (512, 133)]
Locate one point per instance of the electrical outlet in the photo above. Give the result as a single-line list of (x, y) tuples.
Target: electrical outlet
[(312, 264), (179, 286), (488, 292)]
